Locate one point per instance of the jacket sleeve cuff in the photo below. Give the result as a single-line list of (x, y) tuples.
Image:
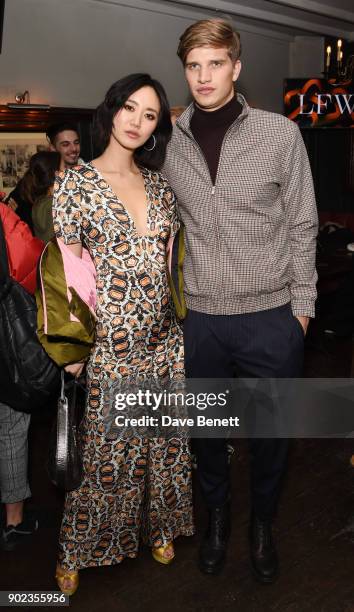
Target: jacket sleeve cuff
[(303, 308)]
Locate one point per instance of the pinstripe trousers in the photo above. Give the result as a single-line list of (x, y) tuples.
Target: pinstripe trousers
[(14, 425)]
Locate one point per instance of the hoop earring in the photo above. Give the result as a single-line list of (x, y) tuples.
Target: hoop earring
[(153, 146)]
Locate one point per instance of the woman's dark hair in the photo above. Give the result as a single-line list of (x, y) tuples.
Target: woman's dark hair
[(115, 98), (39, 176)]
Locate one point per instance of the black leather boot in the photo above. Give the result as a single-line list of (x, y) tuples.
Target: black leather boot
[(212, 553), (264, 557)]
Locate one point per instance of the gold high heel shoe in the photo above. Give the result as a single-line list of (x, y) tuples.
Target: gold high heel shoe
[(63, 576), (159, 553)]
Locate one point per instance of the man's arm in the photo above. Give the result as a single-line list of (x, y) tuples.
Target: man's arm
[(302, 221)]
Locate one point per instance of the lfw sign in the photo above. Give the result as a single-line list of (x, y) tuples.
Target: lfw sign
[(319, 103)]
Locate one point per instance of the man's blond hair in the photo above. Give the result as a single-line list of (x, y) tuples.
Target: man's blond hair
[(210, 33)]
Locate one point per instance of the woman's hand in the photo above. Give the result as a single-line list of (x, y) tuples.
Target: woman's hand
[(75, 369)]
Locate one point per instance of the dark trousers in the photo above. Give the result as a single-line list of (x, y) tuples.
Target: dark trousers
[(265, 344)]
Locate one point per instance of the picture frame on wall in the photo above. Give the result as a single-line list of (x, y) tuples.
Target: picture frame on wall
[(16, 150)]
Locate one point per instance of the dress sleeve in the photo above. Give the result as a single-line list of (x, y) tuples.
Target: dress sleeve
[(67, 211)]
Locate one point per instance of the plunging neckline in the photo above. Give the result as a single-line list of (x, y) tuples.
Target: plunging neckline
[(129, 215)]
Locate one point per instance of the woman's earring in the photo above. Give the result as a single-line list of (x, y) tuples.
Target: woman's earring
[(153, 146)]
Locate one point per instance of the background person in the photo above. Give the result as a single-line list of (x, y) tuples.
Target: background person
[(37, 190), (64, 138), (176, 111), (23, 252)]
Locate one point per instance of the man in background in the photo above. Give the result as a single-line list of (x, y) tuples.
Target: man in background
[(64, 138)]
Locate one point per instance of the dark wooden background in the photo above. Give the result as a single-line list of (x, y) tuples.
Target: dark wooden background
[(38, 120), (331, 150)]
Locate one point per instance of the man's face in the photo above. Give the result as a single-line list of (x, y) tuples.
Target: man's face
[(211, 75), (67, 143)]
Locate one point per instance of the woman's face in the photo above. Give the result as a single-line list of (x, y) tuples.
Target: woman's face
[(136, 121)]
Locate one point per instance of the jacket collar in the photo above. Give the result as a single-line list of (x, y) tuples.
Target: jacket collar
[(183, 122)]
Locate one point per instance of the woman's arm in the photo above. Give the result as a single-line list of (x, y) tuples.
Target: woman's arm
[(75, 368), (67, 216)]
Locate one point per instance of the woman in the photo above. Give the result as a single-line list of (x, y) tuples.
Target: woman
[(125, 213), (37, 190)]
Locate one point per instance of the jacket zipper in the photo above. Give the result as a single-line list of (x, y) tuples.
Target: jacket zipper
[(217, 220), (213, 189)]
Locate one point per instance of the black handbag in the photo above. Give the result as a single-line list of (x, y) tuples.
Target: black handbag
[(28, 376), (65, 460)]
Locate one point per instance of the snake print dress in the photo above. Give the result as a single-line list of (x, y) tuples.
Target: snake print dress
[(137, 487)]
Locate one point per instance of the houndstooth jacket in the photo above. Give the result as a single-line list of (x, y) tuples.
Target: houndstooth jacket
[(251, 238)]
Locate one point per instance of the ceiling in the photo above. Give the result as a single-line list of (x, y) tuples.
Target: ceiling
[(308, 17)]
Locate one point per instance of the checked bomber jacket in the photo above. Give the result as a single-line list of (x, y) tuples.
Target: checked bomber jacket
[(250, 238)]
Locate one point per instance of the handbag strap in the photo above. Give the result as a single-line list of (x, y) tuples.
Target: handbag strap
[(62, 385), (68, 385)]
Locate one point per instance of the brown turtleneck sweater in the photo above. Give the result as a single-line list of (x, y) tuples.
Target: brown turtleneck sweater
[(209, 129)]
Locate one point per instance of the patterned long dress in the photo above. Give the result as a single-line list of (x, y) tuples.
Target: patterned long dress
[(135, 487)]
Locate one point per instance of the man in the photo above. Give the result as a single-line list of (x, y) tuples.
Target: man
[(245, 193), (64, 138)]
